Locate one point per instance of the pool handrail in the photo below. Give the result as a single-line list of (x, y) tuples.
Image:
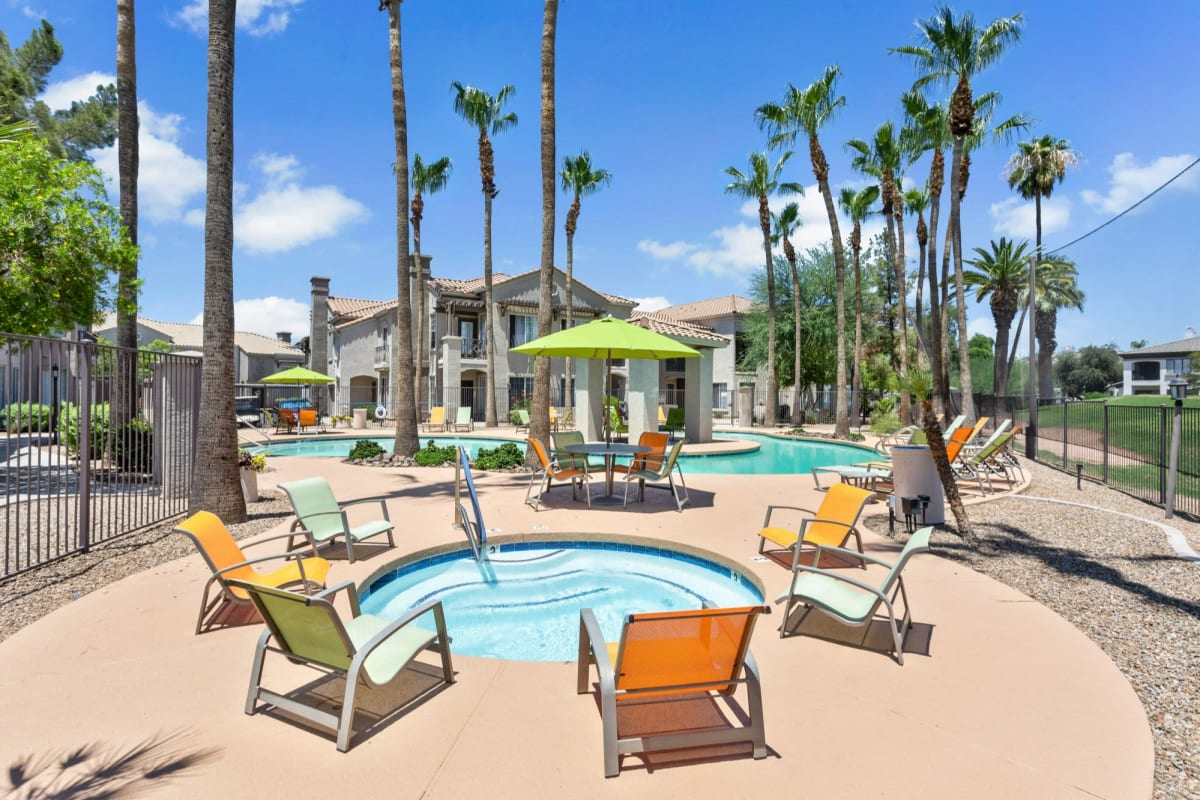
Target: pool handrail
[(476, 531)]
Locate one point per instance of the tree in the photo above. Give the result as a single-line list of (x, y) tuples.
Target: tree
[(485, 113), (760, 182), (1138, 344), (955, 49), (858, 206), (917, 202), (999, 274), (1193, 373), (429, 179), (785, 223), (539, 424), (406, 440), (216, 483), (1089, 370), (1033, 171), (881, 159), (24, 75), (123, 404), (921, 385), (60, 241), (807, 111), (579, 178), (1056, 288)]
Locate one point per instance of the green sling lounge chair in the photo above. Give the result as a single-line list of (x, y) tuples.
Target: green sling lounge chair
[(666, 657), (675, 421), (462, 419), (522, 417), (321, 519), (365, 648), (851, 600), (658, 475)]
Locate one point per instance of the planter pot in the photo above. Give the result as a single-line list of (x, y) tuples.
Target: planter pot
[(250, 485)]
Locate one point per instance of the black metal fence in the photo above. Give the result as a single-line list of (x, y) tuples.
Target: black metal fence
[(95, 442)]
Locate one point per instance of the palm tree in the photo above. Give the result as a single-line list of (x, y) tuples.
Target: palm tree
[(216, 484), (425, 179), (1055, 268), (785, 224), (882, 159), (955, 49), (406, 441), (858, 206), (539, 425), (917, 201), (1056, 288), (999, 274), (1033, 171), (123, 406), (485, 113), (580, 179), (807, 111), (759, 183), (15, 130)]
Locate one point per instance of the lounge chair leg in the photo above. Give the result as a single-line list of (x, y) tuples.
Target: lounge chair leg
[(260, 654), (346, 718)]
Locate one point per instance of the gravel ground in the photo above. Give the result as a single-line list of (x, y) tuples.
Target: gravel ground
[(1115, 578)]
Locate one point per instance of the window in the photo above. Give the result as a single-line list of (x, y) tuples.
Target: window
[(1178, 366), (522, 328), (674, 365), (720, 396), (520, 391), (741, 345), (1145, 370)]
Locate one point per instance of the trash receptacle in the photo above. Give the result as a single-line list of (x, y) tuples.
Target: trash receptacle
[(915, 475), (360, 419)]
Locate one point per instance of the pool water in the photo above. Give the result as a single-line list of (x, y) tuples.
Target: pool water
[(775, 455), (523, 603)]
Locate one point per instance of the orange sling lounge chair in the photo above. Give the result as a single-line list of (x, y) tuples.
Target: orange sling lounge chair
[(227, 561), (833, 523), (549, 470), (667, 658)]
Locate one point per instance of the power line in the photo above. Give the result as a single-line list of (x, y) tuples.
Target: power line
[(1126, 211)]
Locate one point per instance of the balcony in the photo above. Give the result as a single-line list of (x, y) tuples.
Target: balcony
[(383, 357), (474, 349)]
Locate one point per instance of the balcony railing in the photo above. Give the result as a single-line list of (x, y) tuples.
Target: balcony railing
[(474, 348), (383, 356)]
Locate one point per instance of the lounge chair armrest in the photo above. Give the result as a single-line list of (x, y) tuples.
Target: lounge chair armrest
[(810, 520), (439, 621), (256, 560), (845, 551), (381, 500), (591, 640), (771, 508), (289, 535), (840, 576)]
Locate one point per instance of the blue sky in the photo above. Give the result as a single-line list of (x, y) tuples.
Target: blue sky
[(662, 94)]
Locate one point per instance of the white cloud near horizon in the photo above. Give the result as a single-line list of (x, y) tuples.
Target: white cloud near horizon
[(256, 17), (649, 304), (267, 316), (1130, 181), (738, 249), (285, 214), (1017, 218), (60, 94)]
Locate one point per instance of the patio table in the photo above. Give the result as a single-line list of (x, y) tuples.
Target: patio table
[(862, 477), (610, 452)]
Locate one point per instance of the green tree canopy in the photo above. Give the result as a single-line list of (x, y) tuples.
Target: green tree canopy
[(24, 74), (60, 241), (1089, 369)]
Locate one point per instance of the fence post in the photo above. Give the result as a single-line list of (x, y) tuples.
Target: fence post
[(85, 445), (1162, 456), (1105, 468), (1066, 408)]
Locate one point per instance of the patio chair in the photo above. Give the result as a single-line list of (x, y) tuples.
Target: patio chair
[(675, 421), (522, 419), (855, 602), (972, 449), (462, 419), (659, 475), (665, 661), (437, 419), (365, 649), (275, 418), (554, 418), (559, 441), (615, 425), (832, 524), (983, 464), (227, 561), (567, 421), (321, 519), (550, 470), (975, 429), (657, 442), (953, 426), (662, 417)]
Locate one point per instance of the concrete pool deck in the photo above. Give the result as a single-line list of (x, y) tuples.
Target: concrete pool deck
[(998, 696)]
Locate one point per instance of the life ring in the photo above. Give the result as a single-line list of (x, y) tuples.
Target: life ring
[(380, 412)]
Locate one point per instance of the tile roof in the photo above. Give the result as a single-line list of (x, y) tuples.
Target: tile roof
[(675, 328), (184, 335), (355, 309), (724, 306), (466, 285), (1181, 347)]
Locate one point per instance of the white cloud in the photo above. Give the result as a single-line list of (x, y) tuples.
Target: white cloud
[(268, 316), (983, 324), (1132, 181), (256, 17), (168, 178), (286, 215), (648, 304), (1017, 218), (738, 249), (60, 94)]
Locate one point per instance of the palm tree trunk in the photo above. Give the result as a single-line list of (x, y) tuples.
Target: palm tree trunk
[(770, 408), (406, 442), (937, 448), (420, 344), (821, 170), (124, 405), (1000, 354), (856, 377), (539, 424), (1047, 323), (797, 360), (490, 312), (569, 364), (936, 328), (906, 414), (216, 482), (964, 358)]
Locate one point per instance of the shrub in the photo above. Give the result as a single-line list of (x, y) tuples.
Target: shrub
[(433, 456), (365, 448), (505, 456), (130, 449), (254, 461), (133, 448), (25, 417), (885, 423)]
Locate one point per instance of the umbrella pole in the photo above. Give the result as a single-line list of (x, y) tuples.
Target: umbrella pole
[(607, 389)]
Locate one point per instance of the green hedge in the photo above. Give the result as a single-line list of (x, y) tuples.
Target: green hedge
[(25, 417)]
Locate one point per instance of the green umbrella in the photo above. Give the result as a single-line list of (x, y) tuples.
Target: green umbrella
[(298, 376), (607, 338)]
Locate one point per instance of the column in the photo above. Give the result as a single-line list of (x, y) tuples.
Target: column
[(697, 396), (451, 371), (642, 396), (589, 397)]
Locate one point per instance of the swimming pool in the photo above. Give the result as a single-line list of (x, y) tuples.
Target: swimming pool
[(775, 455), (523, 603)]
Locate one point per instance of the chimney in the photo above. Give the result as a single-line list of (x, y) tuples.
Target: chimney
[(318, 337), (1189, 332), (284, 336)]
